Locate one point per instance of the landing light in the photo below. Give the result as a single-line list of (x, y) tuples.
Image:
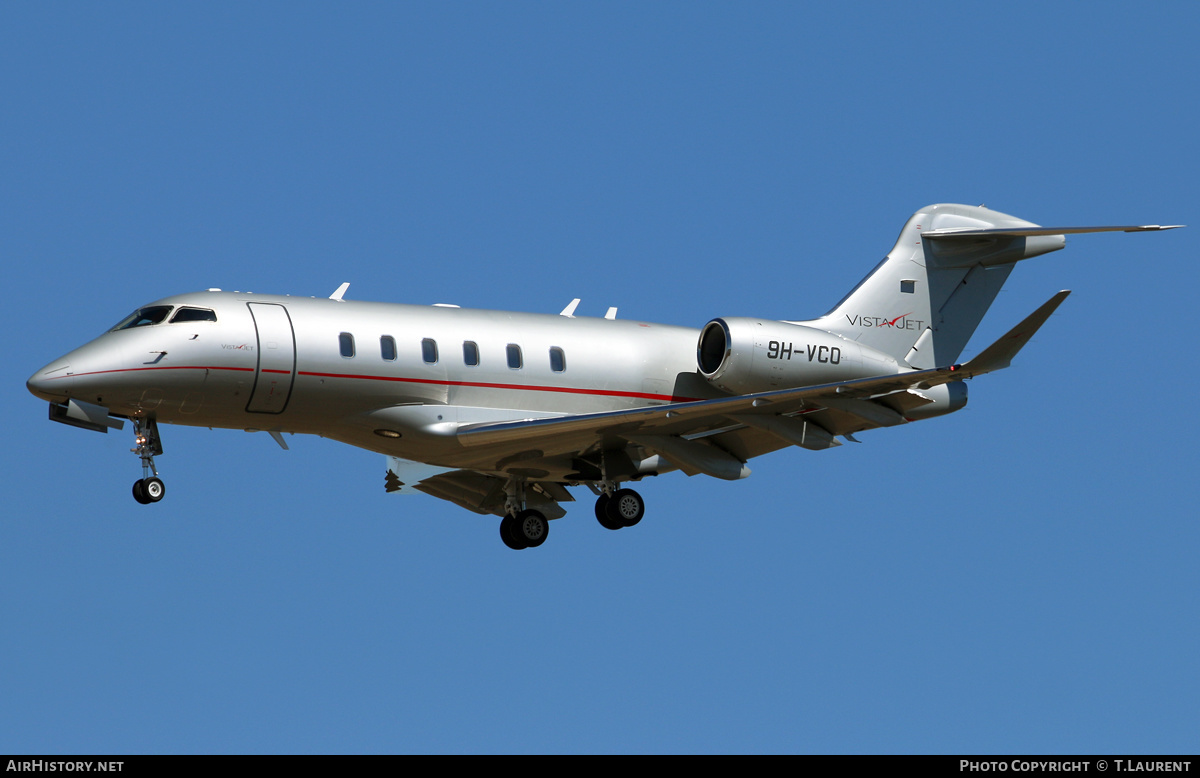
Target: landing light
[(387, 433)]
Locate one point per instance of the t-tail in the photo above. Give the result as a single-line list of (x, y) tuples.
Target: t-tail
[(922, 303)]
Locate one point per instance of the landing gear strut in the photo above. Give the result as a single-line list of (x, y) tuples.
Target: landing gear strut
[(149, 488)]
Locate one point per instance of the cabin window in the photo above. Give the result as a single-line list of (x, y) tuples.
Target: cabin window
[(193, 314), (558, 362), (514, 356), (346, 344), (429, 350), (387, 348), (908, 287), (144, 317), (470, 353)]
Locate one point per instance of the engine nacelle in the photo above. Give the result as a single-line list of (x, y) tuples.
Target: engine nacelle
[(741, 356)]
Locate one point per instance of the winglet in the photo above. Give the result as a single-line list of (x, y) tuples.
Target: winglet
[(1000, 354), (341, 290), (569, 311), (612, 314)]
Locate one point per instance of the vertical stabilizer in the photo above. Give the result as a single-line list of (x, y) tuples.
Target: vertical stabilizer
[(923, 302)]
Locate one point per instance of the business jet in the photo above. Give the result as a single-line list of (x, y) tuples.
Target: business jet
[(501, 412)]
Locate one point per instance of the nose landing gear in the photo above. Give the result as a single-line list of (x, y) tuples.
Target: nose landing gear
[(149, 488)]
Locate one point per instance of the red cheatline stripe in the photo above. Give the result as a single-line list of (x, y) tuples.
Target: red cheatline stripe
[(481, 385), (164, 367)]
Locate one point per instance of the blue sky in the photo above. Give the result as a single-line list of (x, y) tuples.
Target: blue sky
[(1018, 577)]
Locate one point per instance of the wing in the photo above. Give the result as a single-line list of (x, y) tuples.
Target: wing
[(694, 436), (714, 437)]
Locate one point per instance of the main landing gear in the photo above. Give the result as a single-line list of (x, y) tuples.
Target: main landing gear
[(528, 528), (620, 508), (522, 527), (149, 488)]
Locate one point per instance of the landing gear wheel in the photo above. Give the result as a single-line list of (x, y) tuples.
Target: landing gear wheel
[(508, 533), (602, 503), (139, 492), (532, 528), (154, 489), (626, 507)]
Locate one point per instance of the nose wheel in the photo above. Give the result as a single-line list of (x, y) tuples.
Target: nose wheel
[(149, 488)]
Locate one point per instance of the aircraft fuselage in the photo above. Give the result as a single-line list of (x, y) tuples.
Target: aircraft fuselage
[(348, 369)]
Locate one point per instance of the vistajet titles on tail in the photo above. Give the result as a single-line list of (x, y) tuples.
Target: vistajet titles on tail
[(502, 412)]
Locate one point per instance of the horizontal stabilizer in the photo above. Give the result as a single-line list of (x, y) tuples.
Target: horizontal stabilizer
[(1000, 354), (1030, 232)]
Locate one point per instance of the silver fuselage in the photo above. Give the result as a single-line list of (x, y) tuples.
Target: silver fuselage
[(276, 363)]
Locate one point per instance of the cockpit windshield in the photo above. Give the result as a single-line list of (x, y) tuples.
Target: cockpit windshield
[(143, 317), (193, 314)]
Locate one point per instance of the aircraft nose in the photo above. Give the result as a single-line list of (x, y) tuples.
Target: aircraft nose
[(50, 383)]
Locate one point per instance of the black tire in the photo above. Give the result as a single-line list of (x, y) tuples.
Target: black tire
[(626, 507), (508, 533), (154, 489), (602, 513), (532, 528), (139, 492)]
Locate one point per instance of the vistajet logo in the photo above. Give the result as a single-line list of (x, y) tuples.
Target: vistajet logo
[(901, 322)]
